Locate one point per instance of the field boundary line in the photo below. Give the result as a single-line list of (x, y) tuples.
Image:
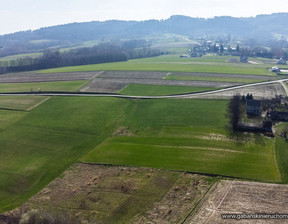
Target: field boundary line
[(285, 87), (86, 85), (168, 73), (200, 203), (12, 109), (215, 209), (38, 104)]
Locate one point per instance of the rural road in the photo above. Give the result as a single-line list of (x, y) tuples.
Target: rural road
[(149, 97)]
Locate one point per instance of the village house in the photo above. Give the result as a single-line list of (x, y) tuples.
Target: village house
[(253, 107), (275, 69)]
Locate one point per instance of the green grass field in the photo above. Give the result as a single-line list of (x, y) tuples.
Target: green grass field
[(41, 86), (40, 146), (199, 151), (182, 134), (157, 90), (17, 56), (282, 156), (188, 135), (8, 117), (172, 64)]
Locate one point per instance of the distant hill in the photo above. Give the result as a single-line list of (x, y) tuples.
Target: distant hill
[(260, 27)]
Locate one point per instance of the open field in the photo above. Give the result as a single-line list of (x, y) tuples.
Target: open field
[(69, 86), (40, 146), (156, 90), (114, 85), (171, 134), (8, 117), (219, 77), (282, 157), (191, 137), (171, 64), (236, 197), (103, 194), (115, 81), (202, 151), (259, 92), (17, 56), (29, 77), (20, 102), (133, 75)]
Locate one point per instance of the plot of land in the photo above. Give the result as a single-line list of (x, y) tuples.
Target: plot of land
[(8, 117), (20, 102), (69, 86), (182, 134), (133, 75), (115, 81), (219, 77), (27, 77), (260, 92), (236, 197), (102, 194), (202, 151), (115, 85), (155, 90), (171, 64), (41, 145)]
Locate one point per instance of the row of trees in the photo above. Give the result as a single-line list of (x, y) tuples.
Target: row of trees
[(101, 53), (235, 111)]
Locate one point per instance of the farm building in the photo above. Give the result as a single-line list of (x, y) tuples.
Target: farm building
[(275, 69), (184, 56), (278, 116), (253, 107)]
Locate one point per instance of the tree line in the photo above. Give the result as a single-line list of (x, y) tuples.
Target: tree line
[(102, 53)]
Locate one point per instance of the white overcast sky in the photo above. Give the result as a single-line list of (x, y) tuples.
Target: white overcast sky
[(18, 15)]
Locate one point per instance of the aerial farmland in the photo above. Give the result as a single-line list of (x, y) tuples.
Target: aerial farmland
[(141, 141)]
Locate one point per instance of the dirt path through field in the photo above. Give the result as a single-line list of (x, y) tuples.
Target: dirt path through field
[(38, 104)]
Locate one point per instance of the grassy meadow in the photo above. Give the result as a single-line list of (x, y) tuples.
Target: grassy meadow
[(37, 146), (41, 137), (172, 63), (213, 79), (157, 90), (40, 146), (189, 136), (24, 103), (8, 117), (41, 86), (17, 56)]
